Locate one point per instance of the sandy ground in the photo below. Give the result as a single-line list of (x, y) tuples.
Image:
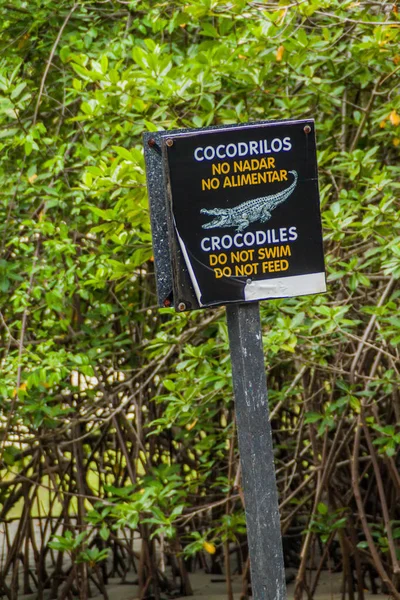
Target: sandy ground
[(212, 587), (203, 587)]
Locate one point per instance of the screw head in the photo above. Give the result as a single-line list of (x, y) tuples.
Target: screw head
[(169, 142), (151, 142), (167, 302), (307, 129), (181, 306)]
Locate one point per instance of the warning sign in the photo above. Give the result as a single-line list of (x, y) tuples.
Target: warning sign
[(245, 206)]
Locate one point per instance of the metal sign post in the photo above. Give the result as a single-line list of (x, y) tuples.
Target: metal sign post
[(256, 453), (235, 219)]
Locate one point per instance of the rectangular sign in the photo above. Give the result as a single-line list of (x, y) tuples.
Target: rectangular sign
[(245, 207)]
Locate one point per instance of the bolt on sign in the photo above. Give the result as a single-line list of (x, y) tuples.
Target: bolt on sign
[(243, 208)]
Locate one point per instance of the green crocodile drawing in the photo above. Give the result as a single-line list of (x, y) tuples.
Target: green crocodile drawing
[(258, 209)]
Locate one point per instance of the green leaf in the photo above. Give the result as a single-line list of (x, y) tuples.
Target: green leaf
[(312, 417), (322, 508), (104, 533), (169, 385), (123, 153), (18, 89)]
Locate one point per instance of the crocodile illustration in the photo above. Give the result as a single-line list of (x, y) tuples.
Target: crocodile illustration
[(258, 209)]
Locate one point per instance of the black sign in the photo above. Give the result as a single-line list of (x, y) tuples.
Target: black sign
[(245, 207)]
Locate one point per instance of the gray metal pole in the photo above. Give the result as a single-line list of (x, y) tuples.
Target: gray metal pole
[(256, 452)]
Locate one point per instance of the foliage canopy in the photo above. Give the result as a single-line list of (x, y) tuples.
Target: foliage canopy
[(116, 415)]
